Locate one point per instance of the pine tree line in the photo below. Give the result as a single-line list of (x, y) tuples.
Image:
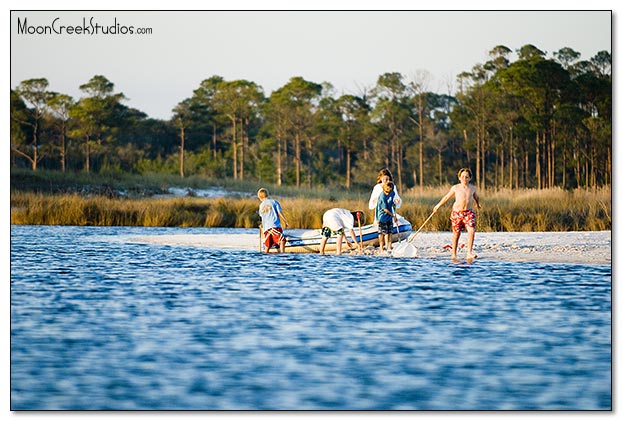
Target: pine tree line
[(534, 122)]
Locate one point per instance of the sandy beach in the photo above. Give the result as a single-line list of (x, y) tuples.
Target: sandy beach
[(588, 247)]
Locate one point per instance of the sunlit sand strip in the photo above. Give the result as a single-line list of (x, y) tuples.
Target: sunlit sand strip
[(585, 247), (592, 247)]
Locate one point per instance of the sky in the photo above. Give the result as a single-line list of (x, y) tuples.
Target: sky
[(349, 49)]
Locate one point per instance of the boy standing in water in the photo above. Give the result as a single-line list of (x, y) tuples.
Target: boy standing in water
[(462, 214), (271, 214), (385, 215)]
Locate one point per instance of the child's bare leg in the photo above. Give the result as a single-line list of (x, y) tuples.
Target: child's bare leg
[(454, 244), (339, 243), (389, 241), (470, 239), (323, 244), (380, 241)]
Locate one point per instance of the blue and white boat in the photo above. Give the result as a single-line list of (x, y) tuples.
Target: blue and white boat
[(308, 241)]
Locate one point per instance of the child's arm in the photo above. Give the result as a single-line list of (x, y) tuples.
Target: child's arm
[(397, 199), (444, 200), (354, 243), (476, 198), (283, 218), (384, 205)]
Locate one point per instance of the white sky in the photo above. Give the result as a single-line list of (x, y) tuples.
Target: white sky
[(348, 49)]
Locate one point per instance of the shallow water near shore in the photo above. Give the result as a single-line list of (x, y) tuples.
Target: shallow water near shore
[(100, 321)]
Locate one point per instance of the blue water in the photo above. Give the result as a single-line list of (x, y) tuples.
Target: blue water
[(100, 323)]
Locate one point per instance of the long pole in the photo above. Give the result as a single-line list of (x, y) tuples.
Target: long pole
[(412, 237), (397, 224), (360, 232)]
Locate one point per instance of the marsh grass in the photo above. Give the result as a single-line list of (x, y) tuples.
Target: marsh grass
[(551, 210), (74, 209), (503, 210), (54, 198)]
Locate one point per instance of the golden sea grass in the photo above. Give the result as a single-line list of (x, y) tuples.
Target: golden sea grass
[(526, 210)]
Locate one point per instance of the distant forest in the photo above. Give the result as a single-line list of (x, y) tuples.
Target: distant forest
[(536, 122)]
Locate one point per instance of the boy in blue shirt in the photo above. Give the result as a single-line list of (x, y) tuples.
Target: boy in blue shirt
[(271, 214), (385, 216)]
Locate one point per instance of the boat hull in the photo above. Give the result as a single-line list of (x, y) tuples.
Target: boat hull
[(309, 241)]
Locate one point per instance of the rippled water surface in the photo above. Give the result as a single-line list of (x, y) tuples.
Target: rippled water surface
[(99, 322)]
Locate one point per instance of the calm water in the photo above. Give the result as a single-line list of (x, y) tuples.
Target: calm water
[(100, 323)]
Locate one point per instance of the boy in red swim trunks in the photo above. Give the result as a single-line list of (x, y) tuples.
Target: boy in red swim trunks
[(462, 214), (271, 214)]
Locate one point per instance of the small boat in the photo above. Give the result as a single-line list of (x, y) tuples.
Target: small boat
[(308, 241)]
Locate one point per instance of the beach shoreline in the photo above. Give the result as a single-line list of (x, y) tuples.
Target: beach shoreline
[(578, 247), (587, 247)]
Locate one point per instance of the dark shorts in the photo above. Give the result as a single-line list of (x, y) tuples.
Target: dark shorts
[(327, 232), (273, 237), (385, 227), (462, 219)]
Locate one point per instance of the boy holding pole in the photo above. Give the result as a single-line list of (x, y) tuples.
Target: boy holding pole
[(462, 214)]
